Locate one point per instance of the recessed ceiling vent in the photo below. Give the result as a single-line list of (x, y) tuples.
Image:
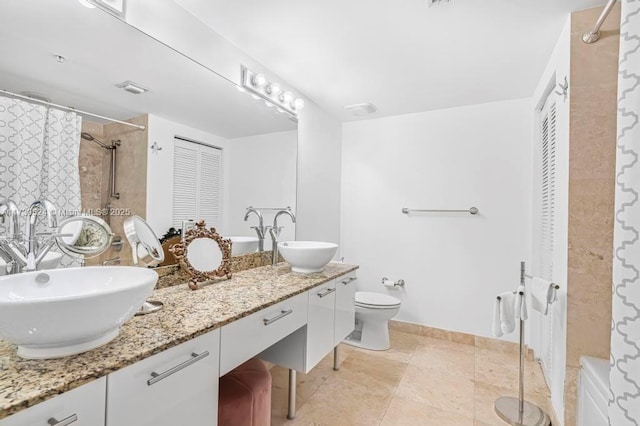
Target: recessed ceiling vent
[(430, 3), (132, 87), (361, 109)]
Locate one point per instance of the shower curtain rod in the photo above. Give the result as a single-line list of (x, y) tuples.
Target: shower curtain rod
[(593, 34), (66, 108)]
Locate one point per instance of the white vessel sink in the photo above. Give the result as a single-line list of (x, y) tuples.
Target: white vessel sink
[(243, 245), (51, 261), (60, 312), (307, 256)]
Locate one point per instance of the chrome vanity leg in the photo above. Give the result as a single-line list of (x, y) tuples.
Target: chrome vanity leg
[(291, 413), (336, 367)]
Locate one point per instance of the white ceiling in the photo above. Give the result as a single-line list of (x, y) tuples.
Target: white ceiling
[(398, 54)]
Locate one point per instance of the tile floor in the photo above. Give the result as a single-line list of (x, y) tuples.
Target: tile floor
[(419, 381)]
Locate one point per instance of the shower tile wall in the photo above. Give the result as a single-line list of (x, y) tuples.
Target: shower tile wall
[(593, 106), (93, 175), (131, 178), (90, 165)]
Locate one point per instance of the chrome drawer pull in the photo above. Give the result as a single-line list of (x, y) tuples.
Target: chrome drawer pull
[(348, 280), (326, 293), (282, 314), (156, 377), (64, 422)]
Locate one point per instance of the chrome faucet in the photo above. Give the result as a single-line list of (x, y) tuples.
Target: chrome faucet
[(259, 229), (26, 253), (13, 254), (32, 218), (9, 209), (275, 233)]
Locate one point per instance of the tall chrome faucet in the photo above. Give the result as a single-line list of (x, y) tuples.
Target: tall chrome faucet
[(259, 229), (9, 209), (32, 218), (26, 253), (275, 233)]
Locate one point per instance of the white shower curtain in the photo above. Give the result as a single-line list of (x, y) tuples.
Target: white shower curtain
[(39, 157), (624, 400)]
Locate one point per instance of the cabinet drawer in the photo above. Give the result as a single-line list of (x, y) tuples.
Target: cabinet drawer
[(86, 404), (247, 337), (320, 329), (176, 387), (345, 306)]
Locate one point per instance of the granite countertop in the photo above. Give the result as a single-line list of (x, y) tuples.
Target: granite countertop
[(186, 314)]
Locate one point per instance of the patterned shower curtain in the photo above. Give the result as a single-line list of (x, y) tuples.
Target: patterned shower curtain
[(624, 399), (39, 150)]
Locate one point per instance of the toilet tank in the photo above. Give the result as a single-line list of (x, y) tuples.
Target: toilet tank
[(593, 392)]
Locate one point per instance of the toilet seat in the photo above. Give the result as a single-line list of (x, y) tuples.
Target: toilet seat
[(371, 300)]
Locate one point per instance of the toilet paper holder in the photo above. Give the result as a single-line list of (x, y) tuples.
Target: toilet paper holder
[(387, 282)]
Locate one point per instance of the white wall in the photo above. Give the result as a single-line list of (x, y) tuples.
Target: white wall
[(453, 264), (160, 170), (555, 71), (319, 136), (262, 173), (319, 175)]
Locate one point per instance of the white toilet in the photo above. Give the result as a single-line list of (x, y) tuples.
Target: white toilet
[(373, 312)]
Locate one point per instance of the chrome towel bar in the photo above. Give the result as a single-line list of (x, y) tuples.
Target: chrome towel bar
[(270, 208), (472, 210)]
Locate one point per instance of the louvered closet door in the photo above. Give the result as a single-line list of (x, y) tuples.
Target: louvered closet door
[(547, 206), (197, 182), (209, 186), (548, 187)]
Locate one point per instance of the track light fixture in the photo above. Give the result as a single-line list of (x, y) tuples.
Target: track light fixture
[(272, 93)]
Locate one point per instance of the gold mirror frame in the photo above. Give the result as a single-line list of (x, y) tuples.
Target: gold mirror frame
[(180, 250)]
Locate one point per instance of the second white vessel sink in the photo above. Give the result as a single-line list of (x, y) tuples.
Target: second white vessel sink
[(60, 312), (307, 256), (243, 245)]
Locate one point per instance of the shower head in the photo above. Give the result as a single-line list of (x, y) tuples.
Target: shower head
[(89, 137)]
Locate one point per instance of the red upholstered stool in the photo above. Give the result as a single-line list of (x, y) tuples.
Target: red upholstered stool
[(244, 397)]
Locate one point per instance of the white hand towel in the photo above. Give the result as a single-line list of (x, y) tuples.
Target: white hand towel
[(540, 295), (520, 304), (496, 327), (507, 314)]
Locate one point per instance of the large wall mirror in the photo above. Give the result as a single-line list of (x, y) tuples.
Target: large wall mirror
[(207, 151)]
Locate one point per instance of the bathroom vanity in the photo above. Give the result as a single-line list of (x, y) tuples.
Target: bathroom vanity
[(163, 368)]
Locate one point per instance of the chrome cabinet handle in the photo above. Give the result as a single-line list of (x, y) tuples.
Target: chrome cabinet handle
[(156, 377), (64, 422), (348, 280), (282, 314), (326, 293)]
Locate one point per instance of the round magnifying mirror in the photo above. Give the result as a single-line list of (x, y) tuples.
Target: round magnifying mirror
[(204, 254), (144, 242), (84, 236)]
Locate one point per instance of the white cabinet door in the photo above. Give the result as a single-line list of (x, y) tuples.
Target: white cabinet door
[(176, 387), (247, 337), (320, 329), (85, 404), (345, 306)]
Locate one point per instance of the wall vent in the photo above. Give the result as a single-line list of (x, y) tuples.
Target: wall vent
[(361, 109)]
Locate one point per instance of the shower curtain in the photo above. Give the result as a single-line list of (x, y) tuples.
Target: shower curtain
[(39, 150), (624, 398)]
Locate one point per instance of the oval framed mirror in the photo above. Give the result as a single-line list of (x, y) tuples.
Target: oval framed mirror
[(145, 245), (203, 254), (84, 236)]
